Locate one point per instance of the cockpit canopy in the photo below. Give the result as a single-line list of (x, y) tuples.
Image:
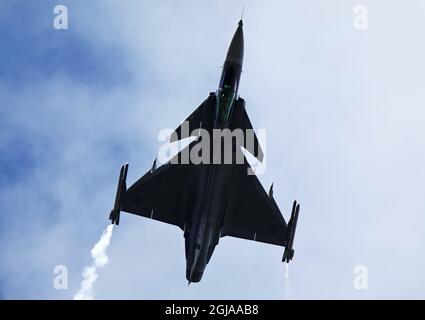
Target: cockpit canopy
[(225, 101), (226, 95)]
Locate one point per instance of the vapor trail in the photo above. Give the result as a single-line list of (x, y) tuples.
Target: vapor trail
[(288, 290), (287, 271), (100, 259)]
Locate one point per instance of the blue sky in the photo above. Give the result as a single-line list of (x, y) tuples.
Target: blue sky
[(343, 109)]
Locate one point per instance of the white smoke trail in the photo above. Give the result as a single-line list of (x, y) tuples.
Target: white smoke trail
[(287, 287), (100, 259), (287, 271)]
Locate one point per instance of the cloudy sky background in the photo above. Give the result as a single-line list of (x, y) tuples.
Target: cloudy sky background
[(345, 115)]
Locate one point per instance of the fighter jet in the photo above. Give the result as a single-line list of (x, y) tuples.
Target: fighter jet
[(208, 201)]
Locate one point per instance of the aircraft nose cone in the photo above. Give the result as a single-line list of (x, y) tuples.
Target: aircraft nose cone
[(235, 51)]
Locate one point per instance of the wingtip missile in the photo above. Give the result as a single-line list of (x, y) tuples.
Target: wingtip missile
[(114, 216), (292, 226)]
